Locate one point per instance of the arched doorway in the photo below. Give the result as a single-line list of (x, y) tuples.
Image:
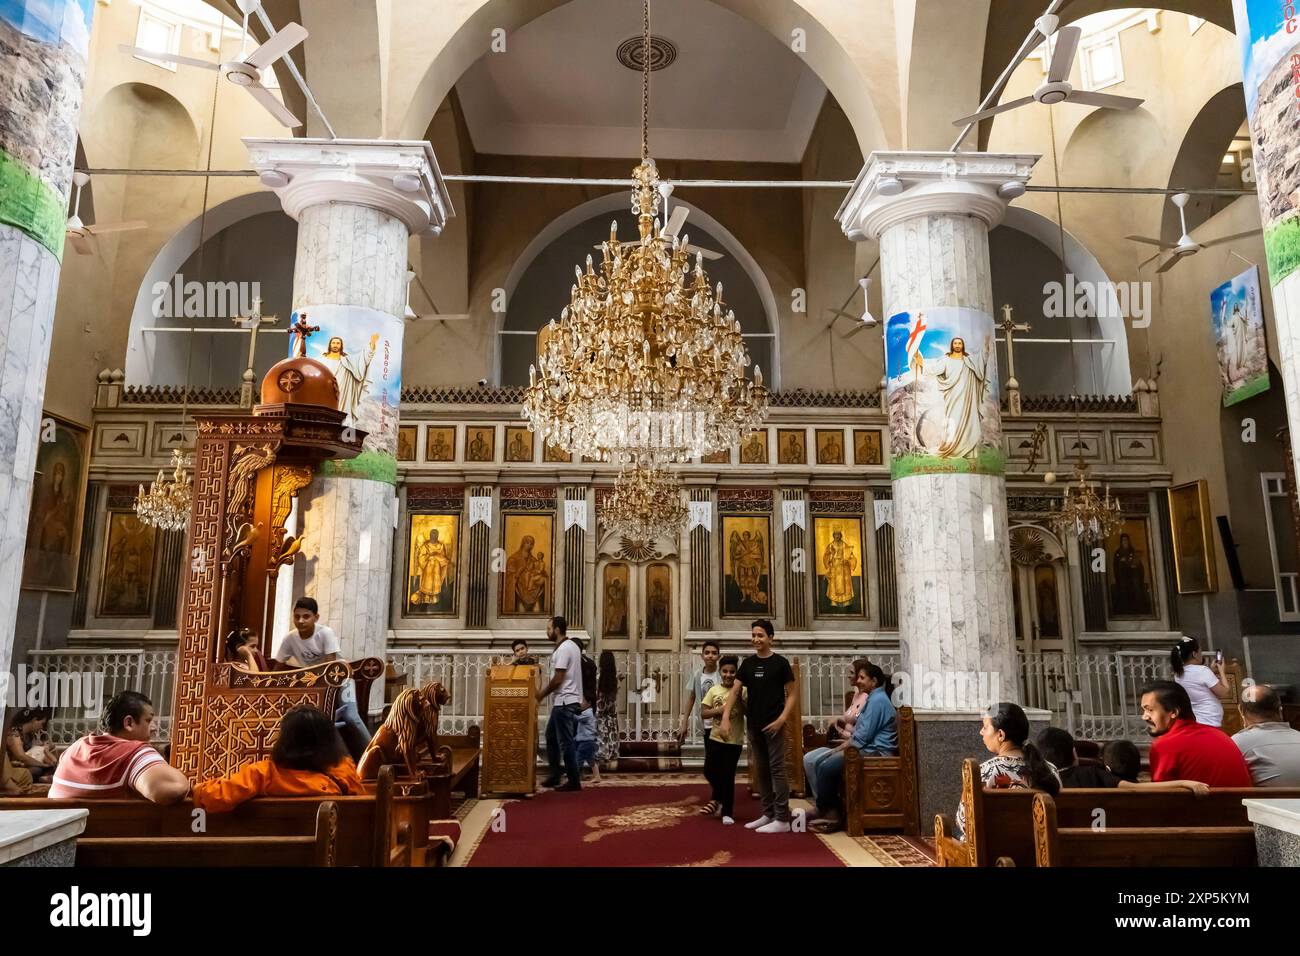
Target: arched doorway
[(1041, 591)]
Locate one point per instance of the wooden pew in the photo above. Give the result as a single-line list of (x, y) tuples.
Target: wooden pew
[(998, 821), (387, 828), (880, 793), (462, 754), (317, 849), (1137, 846)]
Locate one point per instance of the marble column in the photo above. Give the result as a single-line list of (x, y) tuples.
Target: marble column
[(1269, 40), (931, 213), (40, 102), (356, 202)]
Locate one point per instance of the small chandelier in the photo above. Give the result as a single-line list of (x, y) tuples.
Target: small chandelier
[(646, 505), (167, 504), (1085, 514), (645, 365)]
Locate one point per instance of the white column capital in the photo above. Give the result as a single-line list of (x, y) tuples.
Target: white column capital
[(896, 186), (398, 177)]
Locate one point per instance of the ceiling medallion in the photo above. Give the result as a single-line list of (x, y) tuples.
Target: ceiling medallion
[(631, 53), (645, 365)]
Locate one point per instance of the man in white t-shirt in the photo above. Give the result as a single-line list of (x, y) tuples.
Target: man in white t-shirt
[(566, 707), (313, 643)]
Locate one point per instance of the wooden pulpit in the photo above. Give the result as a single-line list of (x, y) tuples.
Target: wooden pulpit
[(509, 764), (247, 470)]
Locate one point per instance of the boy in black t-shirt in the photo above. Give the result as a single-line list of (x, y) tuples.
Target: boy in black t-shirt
[(768, 681)]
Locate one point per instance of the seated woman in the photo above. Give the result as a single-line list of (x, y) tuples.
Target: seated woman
[(842, 726), (875, 734), (309, 760), (242, 647), (24, 749), (1016, 763)]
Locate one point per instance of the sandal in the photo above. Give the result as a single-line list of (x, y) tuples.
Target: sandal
[(710, 809)]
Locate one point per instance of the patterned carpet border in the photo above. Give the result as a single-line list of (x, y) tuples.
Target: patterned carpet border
[(890, 850)]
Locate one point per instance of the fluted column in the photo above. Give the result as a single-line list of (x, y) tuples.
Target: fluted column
[(356, 202), (40, 103), (931, 213)]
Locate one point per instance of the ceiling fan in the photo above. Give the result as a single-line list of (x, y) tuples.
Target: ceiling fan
[(1186, 245), (860, 322), (1056, 88), (674, 227), (246, 71), (79, 234)]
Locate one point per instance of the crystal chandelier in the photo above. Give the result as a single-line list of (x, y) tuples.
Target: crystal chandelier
[(1085, 514), (646, 504), (167, 504), (645, 365)]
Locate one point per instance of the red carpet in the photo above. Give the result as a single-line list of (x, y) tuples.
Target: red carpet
[(640, 826)]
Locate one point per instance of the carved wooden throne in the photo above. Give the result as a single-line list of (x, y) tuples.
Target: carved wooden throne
[(247, 471)]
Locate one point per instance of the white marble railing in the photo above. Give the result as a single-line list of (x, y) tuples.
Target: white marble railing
[(1094, 696)]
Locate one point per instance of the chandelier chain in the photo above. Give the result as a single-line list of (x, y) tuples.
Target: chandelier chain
[(645, 80)]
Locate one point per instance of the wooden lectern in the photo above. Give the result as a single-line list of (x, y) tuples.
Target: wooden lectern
[(793, 731), (510, 730)]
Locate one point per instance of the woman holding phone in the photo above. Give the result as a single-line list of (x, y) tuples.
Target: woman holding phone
[(1204, 685)]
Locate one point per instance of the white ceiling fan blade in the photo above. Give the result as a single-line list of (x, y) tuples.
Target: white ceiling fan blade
[(1067, 43), (273, 106), (1220, 241), (99, 229), (861, 326), (994, 111), (1151, 242), (81, 244), (1146, 262), (1084, 98), (169, 57), (676, 220), (436, 317), (277, 46), (1169, 264)]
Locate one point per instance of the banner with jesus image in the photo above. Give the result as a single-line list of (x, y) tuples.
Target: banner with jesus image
[(1239, 337), (943, 393), (363, 348)]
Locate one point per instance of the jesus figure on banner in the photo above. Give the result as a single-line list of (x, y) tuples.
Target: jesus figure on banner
[(351, 371), (962, 382)]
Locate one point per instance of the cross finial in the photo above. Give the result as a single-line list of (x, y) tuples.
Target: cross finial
[(302, 330)]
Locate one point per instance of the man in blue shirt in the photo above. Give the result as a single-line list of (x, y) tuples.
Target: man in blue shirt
[(875, 734)]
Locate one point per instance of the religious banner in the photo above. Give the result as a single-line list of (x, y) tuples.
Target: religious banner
[(1269, 34), (575, 513), (943, 394), (58, 492), (839, 591), (480, 509), (793, 512), (431, 564), (45, 44), (700, 515), (363, 348), (884, 512), (1239, 337)]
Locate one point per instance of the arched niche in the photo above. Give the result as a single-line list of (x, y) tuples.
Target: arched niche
[(537, 286), (1023, 254), (1200, 160), (246, 239)]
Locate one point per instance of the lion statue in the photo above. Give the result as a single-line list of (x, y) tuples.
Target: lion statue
[(409, 734)]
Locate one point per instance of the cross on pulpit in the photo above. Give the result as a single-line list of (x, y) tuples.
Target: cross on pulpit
[(1009, 328), (253, 744), (302, 330)]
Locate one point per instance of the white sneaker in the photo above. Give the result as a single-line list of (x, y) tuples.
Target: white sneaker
[(760, 822), (776, 826), (727, 821)]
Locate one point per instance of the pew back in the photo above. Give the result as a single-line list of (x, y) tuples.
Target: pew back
[(880, 793)]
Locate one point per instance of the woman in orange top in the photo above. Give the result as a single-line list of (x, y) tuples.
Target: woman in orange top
[(309, 760)]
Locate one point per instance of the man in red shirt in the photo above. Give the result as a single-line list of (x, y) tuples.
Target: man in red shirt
[(1182, 749), (121, 762)]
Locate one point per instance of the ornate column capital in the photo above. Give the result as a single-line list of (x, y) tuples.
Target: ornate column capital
[(896, 186), (398, 177)]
